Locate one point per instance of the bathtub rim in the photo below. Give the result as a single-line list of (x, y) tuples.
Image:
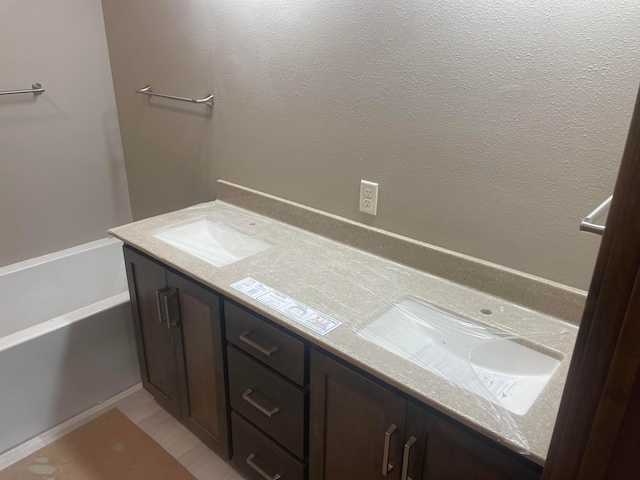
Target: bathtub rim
[(67, 252), (62, 321)]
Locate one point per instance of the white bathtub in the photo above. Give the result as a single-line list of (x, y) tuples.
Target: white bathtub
[(66, 337)]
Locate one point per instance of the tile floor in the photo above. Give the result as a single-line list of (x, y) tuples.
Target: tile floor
[(140, 407)]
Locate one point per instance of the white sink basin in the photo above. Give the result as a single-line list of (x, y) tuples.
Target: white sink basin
[(213, 242), (484, 361), (510, 358)]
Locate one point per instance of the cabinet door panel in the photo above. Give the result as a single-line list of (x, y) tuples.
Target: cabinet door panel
[(201, 360), (350, 419), (199, 353), (445, 452), (156, 342)]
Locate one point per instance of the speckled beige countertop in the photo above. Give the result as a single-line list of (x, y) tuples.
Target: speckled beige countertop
[(355, 286)]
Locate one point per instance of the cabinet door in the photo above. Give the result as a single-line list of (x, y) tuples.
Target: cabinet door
[(157, 343), (437, 450), (357, 426), (195, 311)]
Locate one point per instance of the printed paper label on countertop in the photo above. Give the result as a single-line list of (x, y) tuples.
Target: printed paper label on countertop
[(301, 313)]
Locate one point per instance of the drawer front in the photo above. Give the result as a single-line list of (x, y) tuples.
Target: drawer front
[(258, 458), (271, 403), (268, 344)]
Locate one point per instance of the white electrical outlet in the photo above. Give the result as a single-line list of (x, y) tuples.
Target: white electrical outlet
[(368, 197)]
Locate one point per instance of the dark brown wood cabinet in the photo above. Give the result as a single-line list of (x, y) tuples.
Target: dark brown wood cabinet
[(181, 348), (269, 345), (268, 371), (342, 425), (267, 401), (157, 344), (360, 429), (258, 458), (354, 424), (434, 449)]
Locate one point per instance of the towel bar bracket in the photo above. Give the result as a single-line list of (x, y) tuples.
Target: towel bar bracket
[(590, 222)]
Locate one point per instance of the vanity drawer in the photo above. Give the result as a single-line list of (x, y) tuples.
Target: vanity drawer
[(258, 458), (271, 403), (268, 344)]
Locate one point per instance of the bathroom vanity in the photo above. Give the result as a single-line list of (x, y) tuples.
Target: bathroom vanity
[(301, 357)]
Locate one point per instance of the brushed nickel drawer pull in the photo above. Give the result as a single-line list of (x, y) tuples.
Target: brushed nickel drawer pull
[(170, 323), (166, 309), (405, 457), (160, 293), (259, 471), (244, 336), (269, 413), (386, 466)]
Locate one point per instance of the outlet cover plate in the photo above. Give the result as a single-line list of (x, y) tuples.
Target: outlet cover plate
[(368, 197)]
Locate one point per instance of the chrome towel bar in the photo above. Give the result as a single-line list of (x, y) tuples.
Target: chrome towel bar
[(208, 100), (36, 89), (590, 222)]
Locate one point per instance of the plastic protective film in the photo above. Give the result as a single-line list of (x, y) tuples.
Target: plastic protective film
[(505, 375), (390, 306)]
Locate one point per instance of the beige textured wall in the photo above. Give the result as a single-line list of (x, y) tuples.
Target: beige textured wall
[(62, 176), (491, 127), (167, 144)]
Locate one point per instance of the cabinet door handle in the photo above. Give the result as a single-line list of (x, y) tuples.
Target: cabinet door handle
[(405, 457), (259, 471), (247, 398), (244, 336), (165, 299), (386, 466), (160, 293)]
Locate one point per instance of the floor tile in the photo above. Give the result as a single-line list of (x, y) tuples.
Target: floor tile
[(206, 465), (138, 406), (169, 433)]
